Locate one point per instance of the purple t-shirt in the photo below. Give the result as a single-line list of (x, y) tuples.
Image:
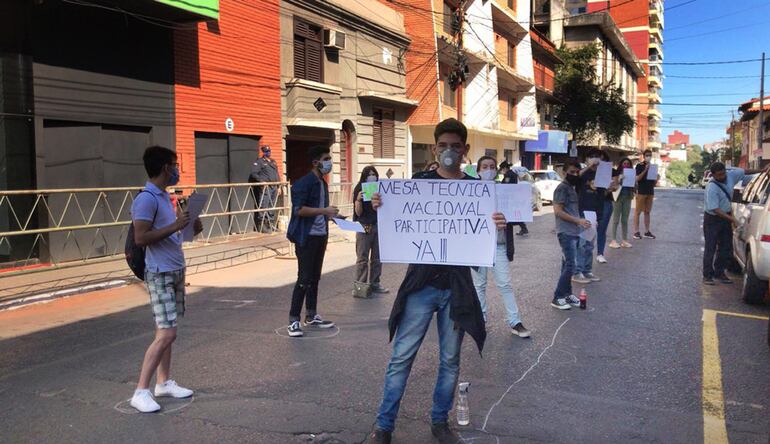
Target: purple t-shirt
[(164, 255)]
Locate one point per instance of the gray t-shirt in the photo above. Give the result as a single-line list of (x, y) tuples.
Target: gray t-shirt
[(566, 195), (319, 224)]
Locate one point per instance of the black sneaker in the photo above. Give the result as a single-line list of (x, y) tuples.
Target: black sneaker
[(520, 331), (561, 304), (316, 321), (377, 288), (724, 279), (637, 235), (708, 281), (443, 434), (380, 437), (649, 235), (522, 233), (295, 330)]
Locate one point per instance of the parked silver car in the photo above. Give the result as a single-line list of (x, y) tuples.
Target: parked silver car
[(751, 239)]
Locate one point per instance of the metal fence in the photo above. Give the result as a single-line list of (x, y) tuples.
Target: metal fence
[(58, 226)]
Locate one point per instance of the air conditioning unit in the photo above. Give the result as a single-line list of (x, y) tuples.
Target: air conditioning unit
[(334, 38)]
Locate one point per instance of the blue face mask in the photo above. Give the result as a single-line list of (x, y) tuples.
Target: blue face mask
[(266, 153), (174, 179)]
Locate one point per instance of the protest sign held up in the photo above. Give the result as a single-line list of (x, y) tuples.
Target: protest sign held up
[(447, 222)]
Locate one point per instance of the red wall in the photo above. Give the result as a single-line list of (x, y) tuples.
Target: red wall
[(421, 63), (678, 138), (230, 68)]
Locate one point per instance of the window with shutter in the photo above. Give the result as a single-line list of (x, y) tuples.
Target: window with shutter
[(308, 51), (384, 134)]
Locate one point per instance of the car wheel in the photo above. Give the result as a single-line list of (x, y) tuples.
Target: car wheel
[(754, 288)]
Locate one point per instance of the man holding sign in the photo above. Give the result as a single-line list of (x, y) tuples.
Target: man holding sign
[(568, 227), (428, 288), (645, 194)]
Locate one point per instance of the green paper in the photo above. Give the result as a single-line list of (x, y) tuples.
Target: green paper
[(369, 188), (471, 170)]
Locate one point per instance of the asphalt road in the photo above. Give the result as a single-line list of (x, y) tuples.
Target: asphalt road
[(628, 369)]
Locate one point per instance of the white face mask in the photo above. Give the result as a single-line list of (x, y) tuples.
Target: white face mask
[(488, 174), (371, 178), (325, 167)]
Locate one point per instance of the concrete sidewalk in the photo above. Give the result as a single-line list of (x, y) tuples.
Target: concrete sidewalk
[(20, 287)]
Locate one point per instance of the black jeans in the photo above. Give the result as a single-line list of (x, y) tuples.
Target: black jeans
[(310, 259), (265, 196), (718, 234)]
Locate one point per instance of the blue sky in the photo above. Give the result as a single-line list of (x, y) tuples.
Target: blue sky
[(711, 30)]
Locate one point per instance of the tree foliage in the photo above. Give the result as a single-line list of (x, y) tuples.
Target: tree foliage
[(589, 109), (677, 172)]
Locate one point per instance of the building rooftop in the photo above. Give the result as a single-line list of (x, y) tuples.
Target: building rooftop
[(604, 21)]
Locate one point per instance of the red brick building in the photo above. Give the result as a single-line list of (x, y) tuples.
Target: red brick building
[(678, 138), (228, 96)]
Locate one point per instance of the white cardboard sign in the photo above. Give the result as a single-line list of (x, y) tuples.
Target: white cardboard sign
[(443, 222), (629, 177), (603, 175), (515, 201), (652, 172), (589, 233)]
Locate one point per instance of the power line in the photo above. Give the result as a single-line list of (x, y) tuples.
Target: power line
[(718, 31), (721, 62), (711, 77), (718, 17)]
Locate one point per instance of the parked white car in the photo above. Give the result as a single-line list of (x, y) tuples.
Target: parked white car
[(751, 240), (546, 182)]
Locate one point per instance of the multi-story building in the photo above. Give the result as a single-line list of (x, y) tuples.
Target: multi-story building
[(754, 154), (343, 84), (641, 22), (475, 64)]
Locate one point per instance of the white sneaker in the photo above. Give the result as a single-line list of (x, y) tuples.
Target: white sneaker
[(600, 259), (170, 388), (142, 401)]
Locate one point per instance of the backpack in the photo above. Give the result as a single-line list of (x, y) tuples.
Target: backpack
[(134, 253)]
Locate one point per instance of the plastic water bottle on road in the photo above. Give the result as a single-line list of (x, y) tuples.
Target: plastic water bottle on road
[(463, 411)]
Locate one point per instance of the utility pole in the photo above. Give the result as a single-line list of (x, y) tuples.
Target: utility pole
[(762, 104)]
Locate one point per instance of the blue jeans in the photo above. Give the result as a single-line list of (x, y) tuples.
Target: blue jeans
[(569, 245), (604, 223), (502, 275), (584, 263), (415, 321)]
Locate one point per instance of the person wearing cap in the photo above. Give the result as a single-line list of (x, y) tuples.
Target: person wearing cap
[(265, 170)]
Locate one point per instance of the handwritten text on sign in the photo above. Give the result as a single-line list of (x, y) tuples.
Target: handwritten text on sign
[(446, 222)]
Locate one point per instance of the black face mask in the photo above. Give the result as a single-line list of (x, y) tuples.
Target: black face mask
[(573, 180)]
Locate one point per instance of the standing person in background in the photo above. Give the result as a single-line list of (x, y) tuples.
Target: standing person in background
[(501, 271), (265, 170), (718, 221), (309, 231), (645, 194), (590, 199), (604, 222), (621, 207), (568, 226), (368, 265)]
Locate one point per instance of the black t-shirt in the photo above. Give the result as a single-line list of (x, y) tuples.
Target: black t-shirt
[(590, 198), (439, 277), (645, 186), (368, 215)]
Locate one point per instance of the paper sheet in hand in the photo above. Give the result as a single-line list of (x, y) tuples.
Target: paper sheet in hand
[(441, 222), (369, 188), (195, 204), (589, 233), (652, 173), (603, 175), (348, 225), (629, 177), (515, 201)]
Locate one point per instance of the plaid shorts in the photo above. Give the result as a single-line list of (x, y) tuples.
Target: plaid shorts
[(166, 296)]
